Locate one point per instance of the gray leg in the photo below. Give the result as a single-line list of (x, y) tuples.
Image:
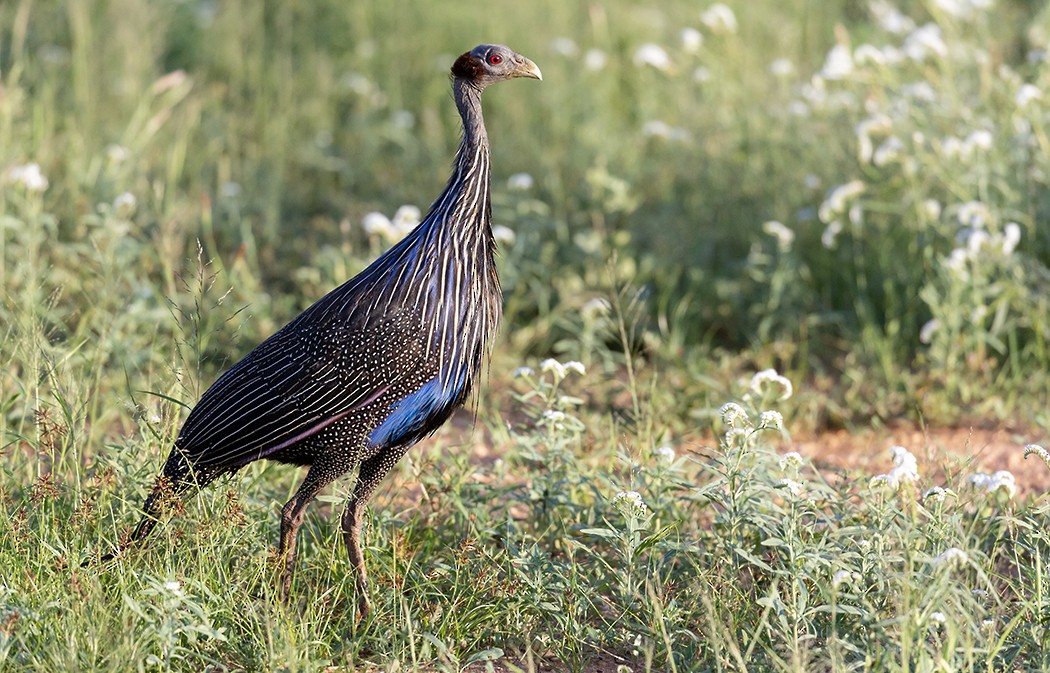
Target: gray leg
[(292, 517), (368, 477)]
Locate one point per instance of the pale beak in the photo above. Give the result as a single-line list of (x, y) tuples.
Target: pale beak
[(527, 68)]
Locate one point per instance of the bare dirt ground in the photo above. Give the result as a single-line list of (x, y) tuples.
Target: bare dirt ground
[(961, 451)]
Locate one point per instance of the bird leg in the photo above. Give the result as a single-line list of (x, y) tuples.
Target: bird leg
[(292, 516), (369, 475)]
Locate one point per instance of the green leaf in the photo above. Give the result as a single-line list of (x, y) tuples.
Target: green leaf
[(656, 537), (601, 532)]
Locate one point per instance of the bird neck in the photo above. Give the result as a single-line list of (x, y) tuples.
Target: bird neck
[(468, 101)]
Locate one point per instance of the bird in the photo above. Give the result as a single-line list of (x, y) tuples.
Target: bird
[(372, 367)]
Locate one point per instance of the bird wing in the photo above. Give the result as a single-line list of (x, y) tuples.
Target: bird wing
[(300, 380)]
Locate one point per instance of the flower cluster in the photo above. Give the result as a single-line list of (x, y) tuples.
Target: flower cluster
[(29, 176), (734, 415), (938, 494), (1037, 451), (791, 461), (1003, 481), (561, 369), (905, 470), (769, 384), (392, 230), (952, 557), (630, 504)]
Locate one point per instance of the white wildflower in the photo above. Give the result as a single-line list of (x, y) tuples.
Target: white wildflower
[(980, 139), (575, 366), (905, 468), (831, 233), (1026, 94), (890, 18), (988, 624), (736, 438), (928, 330), (838, 64), (1011, 237), (962, 9), (925, 41), (790, 485), (665, 453), (734, 415), (785, 235), (719, 19), (769, 383), (503, 234), (856, 214), (691, 39), (520, 182), (976, 240), (920, 91), (656, 128), (124, 205), (931, 208), (377, 224), (864, 545), (1037, 451), (524, 372), (839, 198), (554, 418), (937, 618), (405, 220), (594, 59), (174, 587), (938, 494), (782, 67), (117, 153), (792, 460), (771, 419), (552, 366), (654, 56), (869, 53), (888, 151), (974, 214), (630, 503), (992, 483), (952, 557), (951, 147), (956, 261), (883, 481), (29, 176), (842, 577), (564, 46)]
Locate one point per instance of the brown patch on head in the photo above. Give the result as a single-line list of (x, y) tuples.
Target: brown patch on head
[(467, 67)]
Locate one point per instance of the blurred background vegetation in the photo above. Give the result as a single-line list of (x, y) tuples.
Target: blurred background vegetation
[(853, 193), (662, 143)]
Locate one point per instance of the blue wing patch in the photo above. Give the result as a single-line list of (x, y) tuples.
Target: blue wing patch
[(420, 413)]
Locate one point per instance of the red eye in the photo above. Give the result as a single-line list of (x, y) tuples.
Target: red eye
[(495, 59)]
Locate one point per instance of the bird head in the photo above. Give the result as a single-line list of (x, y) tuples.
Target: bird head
[(487, 64)]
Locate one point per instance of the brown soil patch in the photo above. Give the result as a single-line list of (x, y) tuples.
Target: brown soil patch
[(942, 453)]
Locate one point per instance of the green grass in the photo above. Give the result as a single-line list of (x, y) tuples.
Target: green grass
[(252, 139)]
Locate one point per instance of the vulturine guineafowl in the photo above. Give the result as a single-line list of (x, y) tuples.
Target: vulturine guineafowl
[(375, 365)]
